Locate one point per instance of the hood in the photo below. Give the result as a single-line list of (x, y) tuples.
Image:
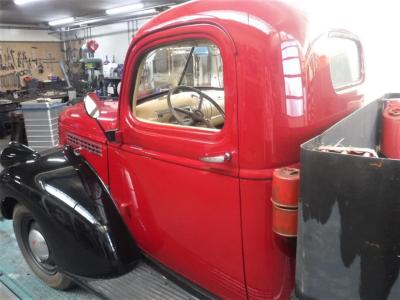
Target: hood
[(75, 120)]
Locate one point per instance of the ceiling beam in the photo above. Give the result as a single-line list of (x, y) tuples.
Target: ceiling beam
[(109, 19)]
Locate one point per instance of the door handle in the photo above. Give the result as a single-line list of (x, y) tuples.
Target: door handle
[(217, 159)]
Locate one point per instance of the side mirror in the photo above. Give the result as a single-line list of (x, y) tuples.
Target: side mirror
[(91, 106)]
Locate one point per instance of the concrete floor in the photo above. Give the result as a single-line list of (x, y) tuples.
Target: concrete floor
[(6, 293), (16, 279)]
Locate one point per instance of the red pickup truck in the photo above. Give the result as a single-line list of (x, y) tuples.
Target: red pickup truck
[(215, 96)]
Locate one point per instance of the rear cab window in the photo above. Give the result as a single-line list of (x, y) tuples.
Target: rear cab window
[(345, 62)]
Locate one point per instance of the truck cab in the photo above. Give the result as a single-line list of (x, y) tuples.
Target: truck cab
[(215, 96)]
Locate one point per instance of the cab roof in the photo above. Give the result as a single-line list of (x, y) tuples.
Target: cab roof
[(265, 14)]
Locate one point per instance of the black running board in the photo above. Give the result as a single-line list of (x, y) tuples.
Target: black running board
[(144, 282)]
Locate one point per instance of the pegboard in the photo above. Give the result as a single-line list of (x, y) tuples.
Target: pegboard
[(17, 57)]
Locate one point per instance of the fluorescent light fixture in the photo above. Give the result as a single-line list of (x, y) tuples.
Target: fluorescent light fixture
[(124, 9), (61, 21), (145, 12), (22, 2), (90, 21)]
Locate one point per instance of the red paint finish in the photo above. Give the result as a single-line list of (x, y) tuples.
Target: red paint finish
[(269, 258), (212, 223), (75, 121), (186, 218), (194, 206)]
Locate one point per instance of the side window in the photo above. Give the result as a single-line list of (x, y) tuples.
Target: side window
[(181, 84), (345, 62)]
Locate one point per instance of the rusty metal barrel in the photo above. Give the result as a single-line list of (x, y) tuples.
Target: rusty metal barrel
[(285, 199), (390, 141)]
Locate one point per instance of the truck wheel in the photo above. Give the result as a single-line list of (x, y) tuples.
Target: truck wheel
[(37, 254)]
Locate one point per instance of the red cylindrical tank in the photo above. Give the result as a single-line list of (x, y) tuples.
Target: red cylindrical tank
[(284, 221), (390, 139), (285, 198), (285, 187)]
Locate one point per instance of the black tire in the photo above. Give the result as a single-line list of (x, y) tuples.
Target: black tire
[(23, 220)]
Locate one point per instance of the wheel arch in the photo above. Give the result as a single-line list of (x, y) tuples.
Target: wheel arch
[(76, 212)]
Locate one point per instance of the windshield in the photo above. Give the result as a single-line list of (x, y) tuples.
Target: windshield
[(194, 63)]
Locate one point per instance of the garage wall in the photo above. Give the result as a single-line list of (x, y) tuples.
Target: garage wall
[(20, 35), (29, 57), (25, 52), (113, 39)]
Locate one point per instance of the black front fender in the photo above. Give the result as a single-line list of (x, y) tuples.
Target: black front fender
[(16, 153), (82, 225)]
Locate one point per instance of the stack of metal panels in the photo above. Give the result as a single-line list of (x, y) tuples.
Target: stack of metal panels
[(41, 122)]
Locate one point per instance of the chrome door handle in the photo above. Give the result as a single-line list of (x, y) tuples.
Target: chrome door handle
[(218, 159)]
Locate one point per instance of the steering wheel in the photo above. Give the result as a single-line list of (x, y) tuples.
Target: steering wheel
[(196, 115)]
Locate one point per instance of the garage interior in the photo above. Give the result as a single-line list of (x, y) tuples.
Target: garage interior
[(57, 51), (57, 55), (61, 50)]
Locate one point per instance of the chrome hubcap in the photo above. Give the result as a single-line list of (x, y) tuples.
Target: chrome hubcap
[(38, 245)]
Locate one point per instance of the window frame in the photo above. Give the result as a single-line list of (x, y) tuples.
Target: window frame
[(355, 39), (171, 41)]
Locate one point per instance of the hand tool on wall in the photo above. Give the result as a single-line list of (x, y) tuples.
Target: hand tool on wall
[(33, 55), (12, 56), (7, 58), (25, 59), (19, 59), (4, 59), (40, 67), (2, 66), (1, 59), (51, 66), (11, 65)]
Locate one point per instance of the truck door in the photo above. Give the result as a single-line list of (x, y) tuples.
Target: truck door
[(175, 176)]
